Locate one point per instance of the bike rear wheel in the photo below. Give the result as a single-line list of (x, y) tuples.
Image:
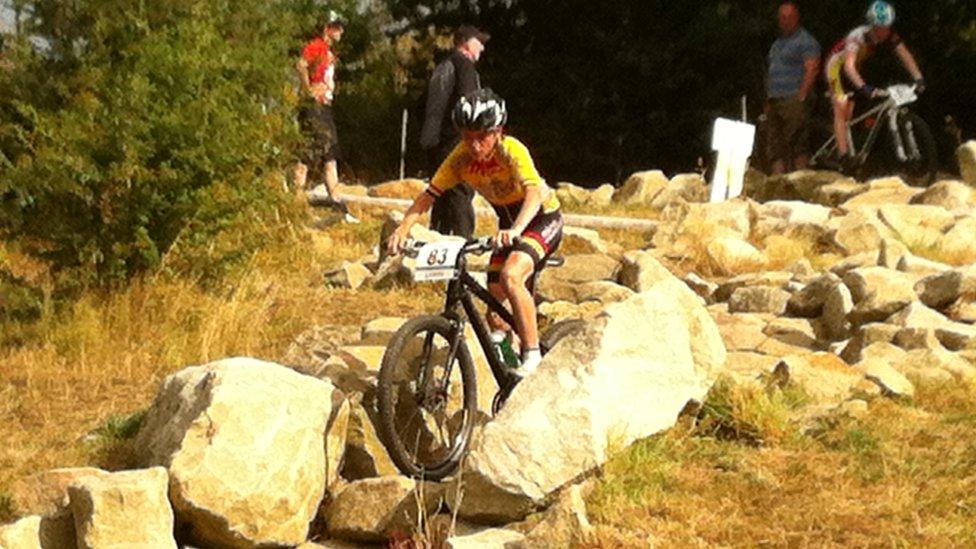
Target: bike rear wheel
[(427, 404)]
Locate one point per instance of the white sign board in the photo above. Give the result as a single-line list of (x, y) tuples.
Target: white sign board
[(733, 142), (437, 261)]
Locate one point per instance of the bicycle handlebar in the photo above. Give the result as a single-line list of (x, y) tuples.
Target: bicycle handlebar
[(476, 246)]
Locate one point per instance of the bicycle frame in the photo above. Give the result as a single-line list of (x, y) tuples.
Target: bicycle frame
[(461, 292), (887, 110)]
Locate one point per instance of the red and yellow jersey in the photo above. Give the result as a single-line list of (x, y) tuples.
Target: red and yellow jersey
[(502, 179)]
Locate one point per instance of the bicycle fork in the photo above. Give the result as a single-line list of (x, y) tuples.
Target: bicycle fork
[(906, 148)]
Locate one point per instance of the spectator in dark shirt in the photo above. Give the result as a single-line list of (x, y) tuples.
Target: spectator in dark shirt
[(452, 79)]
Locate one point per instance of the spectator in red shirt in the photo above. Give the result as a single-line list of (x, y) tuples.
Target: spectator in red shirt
[(316, 70)]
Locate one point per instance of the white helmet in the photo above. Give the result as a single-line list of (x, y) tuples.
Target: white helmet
[(881, 14)]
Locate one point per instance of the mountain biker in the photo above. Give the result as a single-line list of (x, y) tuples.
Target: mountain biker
[(529, 219), (845, 59)]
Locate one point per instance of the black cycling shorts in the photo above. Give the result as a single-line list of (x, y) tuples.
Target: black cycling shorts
[(540, 239)]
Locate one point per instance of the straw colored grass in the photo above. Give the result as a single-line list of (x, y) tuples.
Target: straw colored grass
[(903, 475), (105, 357)]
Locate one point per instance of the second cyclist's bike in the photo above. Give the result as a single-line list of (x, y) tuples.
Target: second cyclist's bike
[(888, 139)]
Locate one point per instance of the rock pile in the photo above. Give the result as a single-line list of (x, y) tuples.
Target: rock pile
[(875, 293)]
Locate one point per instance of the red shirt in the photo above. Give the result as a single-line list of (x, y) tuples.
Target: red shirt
[(320, 59)]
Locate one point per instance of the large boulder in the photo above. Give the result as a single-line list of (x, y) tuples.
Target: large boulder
[(943, 289), (640, 271), (838, 192), (579, 240), (244, 442), (771, 279), (557, 311), (627, 376), (688, 187), (809, 301), (565, 524), (857, 232), (641, 188), (759, 299), (935, 365), (602, 196), (604, 291), (40, 532), (467, 536), (373, 510), (349, 275), (798, 185), (742, 332), (951, 195), (365, 455), (127, 509), (878, 293), (46, 493), (966, 156), (823, 377), (731, 255), (958, 245), (558, 284), (916, 225), (919, 266), (312, 348), (891, 382), (794, 212), (838, 304), (571, 195), (890, 190)]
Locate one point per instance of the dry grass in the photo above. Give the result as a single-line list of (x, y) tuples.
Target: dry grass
[(104, 359), (783, 251), (955, 252), (903, 475)]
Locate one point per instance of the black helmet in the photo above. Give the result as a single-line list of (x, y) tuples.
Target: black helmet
[(480, 110)]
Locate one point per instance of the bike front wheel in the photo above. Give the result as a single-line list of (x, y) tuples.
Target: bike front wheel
[(427, 401), (921, 169)]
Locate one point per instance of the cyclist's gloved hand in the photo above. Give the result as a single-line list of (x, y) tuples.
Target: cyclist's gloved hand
[(867, 91), (920, 86)]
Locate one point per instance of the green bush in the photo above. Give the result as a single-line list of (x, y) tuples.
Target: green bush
[(136, 124)]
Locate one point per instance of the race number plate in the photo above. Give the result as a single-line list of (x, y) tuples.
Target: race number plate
[(902, 95), (437, 261)]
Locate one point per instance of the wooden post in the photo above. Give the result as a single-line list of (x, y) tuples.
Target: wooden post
[(403, 144)]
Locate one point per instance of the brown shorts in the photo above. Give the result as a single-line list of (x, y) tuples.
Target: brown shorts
[(321, 139), (787, 129)]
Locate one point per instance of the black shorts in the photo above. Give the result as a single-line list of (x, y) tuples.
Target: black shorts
[(540, 239), (321, 139)]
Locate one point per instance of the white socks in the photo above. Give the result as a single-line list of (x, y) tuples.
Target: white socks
[(530, 362)]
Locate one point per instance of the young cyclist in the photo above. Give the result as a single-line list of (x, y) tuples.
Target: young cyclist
[(845, 59), (529, 221)]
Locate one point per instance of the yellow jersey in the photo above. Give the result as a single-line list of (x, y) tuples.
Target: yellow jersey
[(502, 179)]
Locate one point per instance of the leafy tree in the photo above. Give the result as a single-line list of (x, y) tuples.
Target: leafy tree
[(134, 122)]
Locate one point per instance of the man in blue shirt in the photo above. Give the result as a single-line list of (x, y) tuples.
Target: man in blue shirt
[(794, 62)]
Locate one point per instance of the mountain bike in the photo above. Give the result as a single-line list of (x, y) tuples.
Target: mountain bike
[(427, 387), (910, 152)]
